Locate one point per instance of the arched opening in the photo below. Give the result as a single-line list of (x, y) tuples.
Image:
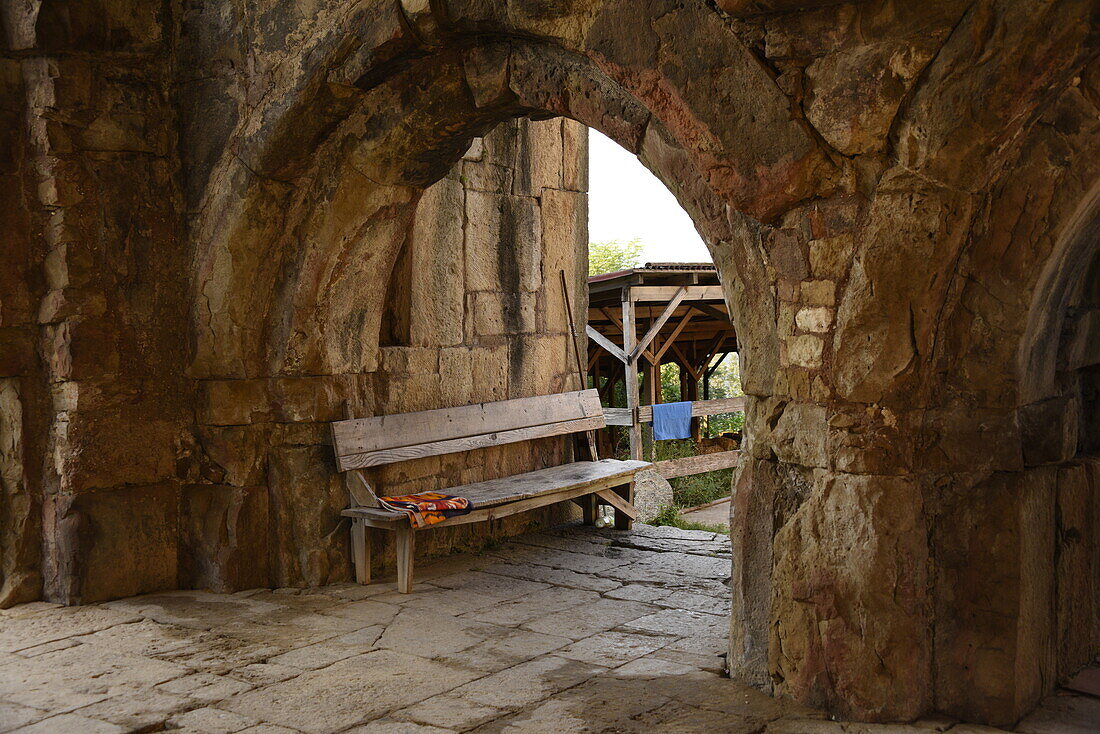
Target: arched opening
[(1060, 436), (645, 252)]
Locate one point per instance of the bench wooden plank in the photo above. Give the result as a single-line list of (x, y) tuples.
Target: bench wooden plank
[(618, 503), (365, 435), (468, 443), (581, 474), (378, 518)]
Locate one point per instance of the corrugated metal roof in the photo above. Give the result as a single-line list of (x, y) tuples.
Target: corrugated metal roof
[(655, 268), (679, 266)]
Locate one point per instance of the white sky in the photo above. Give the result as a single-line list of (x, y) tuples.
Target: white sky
[(626, 201)]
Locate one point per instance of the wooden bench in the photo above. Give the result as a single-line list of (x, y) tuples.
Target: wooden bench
[(368, 442)]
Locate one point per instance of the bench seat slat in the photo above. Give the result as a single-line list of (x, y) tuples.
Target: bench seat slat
[(579, 478)]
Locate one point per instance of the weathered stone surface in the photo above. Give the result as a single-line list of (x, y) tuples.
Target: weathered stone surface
[(881, 627), (223, 223), (225, 537), (989, 663), (652, 493)]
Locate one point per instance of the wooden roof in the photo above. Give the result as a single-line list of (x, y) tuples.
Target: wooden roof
[(696, 329)]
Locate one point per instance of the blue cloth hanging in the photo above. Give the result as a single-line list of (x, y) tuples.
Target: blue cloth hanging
[(671, 420)]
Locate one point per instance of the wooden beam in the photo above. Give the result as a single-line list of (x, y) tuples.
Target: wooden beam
[(663, 293), (607, 344), (710, 370), (612, 498), (711, 350), (659, 323), (700, 408), (675, 333), (711, 311), (617, 416), (697, 464), (612, 318), (631, 367), (593, 359), (684, 362)]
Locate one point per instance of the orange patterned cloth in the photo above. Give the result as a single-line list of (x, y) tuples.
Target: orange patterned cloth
[(427, 508)]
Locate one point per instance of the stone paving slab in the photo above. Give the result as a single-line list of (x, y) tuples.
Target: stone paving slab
[(569, 630)]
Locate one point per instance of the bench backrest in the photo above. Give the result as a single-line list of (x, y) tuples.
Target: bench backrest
[(364, 442)]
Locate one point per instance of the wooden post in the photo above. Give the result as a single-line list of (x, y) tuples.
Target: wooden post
[(360, 550), (406, 548), (588, 508), (693, 395), (631, 366), (622, 520)]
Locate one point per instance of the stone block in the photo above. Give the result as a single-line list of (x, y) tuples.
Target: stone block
[(787, 254), (438, 285), (491, 371), (1048, 430), (224, 538), (305, 501), (994, 636), (456, 377), (235, 402), (830, 256), (234, 455), (817, 319), (403, 361), (575, 154), (311, 399), (652, 493), (539, 157), (851, 616), (115, 542), (407, 393), (818, 293), (503, 243), (755, 486), (799, 435), (853, 94), (805, 351), (20, 534), (1076, 578)]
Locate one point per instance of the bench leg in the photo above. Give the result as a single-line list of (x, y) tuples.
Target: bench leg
[(622, 520), (405, 549), (360, 551), (589, 507)]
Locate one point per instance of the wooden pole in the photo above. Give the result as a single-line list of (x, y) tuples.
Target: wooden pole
[(580, 364), (631, 368)]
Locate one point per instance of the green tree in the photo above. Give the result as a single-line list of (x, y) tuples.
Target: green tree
[(612, 256)]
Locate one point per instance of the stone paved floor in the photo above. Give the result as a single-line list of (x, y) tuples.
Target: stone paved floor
[(571, 630)]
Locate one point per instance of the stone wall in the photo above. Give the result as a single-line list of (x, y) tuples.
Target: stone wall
[(473, 312)]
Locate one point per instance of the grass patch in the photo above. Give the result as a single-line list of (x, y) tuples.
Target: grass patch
[(698, 489), (673, 517)]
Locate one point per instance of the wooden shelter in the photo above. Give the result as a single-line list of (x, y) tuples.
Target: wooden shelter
[(681, 314)]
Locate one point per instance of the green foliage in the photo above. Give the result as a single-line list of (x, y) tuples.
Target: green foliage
[(672, 516), (697, 489), (612, 256), (726, 383)]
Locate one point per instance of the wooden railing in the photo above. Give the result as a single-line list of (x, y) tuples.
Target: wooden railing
[(621, 416), (697, 464)]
